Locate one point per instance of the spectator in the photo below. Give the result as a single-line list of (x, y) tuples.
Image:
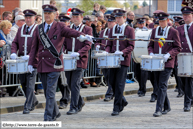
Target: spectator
[(98, 28), (103, 22), (130, 18), (96, 8), (65, 19), (53, 2), (103, 9), (38, 19), (100, 15), (17, 9), (7, 16), (19, 13), (156, 23), (87, 20), (19, 21)]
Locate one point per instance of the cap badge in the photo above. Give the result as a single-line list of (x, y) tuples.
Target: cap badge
[(185, 8), (61, 17), (117, 11), (74, 10), (160, 15), (27, 11), (46, 6), (140, 19)]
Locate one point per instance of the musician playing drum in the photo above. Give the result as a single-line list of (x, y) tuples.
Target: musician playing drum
[(47, 41), (118, 75), (81, 51), (187, 47), (170, 51), (27, 80)]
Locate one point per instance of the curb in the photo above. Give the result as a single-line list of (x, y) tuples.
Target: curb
[(87, 98)]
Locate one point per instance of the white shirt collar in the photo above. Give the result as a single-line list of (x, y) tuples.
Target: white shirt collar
[(30, 27), (121, 26), (46, 26), (190, 24), (78, 26), (164, 30)]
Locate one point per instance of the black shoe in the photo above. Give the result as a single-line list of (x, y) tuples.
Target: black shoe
[(125, 104), (108, 99), (179, 95), (157, 114), (83, 85), (166, 111), (176, 90), (33, 105), (114, 113), (57, 116), (141, 95), (80, 108), (26, 111), (152, 99), (71, 112), (186, 109), (62, 105)]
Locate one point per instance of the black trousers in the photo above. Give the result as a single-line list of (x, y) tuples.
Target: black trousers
[(28, 84), (49, 82), (109, 92), (161, 78), (187, 88), (117, 81), (178, 80), (73, 80)]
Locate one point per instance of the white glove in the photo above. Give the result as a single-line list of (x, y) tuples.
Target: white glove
[(97, 47), (75, 54), (89, 38), (166, 57), (118, 53), (25, 57), (105, 52), (30, 68), (82, 38), (13, 56), (151, 54)]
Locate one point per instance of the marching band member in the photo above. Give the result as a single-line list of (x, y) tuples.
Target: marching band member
[(28, 79), (141, 24), (47, 41), (170, 50), (118, 75), (177, 19), (187, 43), (80, 50), (104, 34)]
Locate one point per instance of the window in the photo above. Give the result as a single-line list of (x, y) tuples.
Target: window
[(34, 4), (1, 2), (174, 6)]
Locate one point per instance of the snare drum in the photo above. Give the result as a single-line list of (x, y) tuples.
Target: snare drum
[(94, 53), (70, 63), (109, 60), (185, 64), (152, 63), (18, 66)]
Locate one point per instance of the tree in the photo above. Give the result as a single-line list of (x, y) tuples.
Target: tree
[(135, 7), (126, 5), (144, 3)]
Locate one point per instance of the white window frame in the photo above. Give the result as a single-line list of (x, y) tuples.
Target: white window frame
[(173, 12), (34, 2)]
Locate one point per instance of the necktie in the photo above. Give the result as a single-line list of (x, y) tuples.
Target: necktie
[(27, 30), (47, 29), (119, 29), (76, 27), (188, 27), (162, 32)]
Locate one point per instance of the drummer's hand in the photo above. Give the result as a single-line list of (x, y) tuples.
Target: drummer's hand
[(166, 57), (75, 54), (30, 68), (151, 54), (97, 47), (13, 56), (89, 38), (25, 57), (2, 43), (118, 53)]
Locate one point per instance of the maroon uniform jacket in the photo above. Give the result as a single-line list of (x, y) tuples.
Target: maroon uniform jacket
[(103, 42), (56, 34), (169, 47), (125, 46), (81, 47)]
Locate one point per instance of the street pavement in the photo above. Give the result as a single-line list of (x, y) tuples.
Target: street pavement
[(138, 114)]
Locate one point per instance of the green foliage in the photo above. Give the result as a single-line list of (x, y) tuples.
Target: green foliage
[(144, 3)]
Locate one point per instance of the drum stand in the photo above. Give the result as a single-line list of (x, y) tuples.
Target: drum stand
[(20, 90)]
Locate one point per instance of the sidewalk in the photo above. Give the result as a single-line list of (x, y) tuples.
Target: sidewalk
[(15, 104)]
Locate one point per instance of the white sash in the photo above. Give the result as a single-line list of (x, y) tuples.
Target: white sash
[(105, 36), (162, 36), (187, 37), (26, 36), (73, 39)]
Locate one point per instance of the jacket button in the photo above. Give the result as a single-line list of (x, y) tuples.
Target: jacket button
[(49, 58), (42, 50), (186, 48), (42, 57), (182, 42)]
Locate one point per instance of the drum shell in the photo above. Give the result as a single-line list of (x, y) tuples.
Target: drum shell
[(141, 46), (153, 63), (17, 66), (185, 64), (70, 63), (109, 61)]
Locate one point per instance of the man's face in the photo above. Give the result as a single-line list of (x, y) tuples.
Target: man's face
[(57, 15), (95, 21), (101, 17), (20, 22), (39, 20), (176, 24), (163, 23), (88, 23), (96, 8), (30, 20), (141, 25), (120, 20), (103, 10), (111, 24), (188, 18), (49, 16), (77, 19), (131, 16), (9, 17)]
